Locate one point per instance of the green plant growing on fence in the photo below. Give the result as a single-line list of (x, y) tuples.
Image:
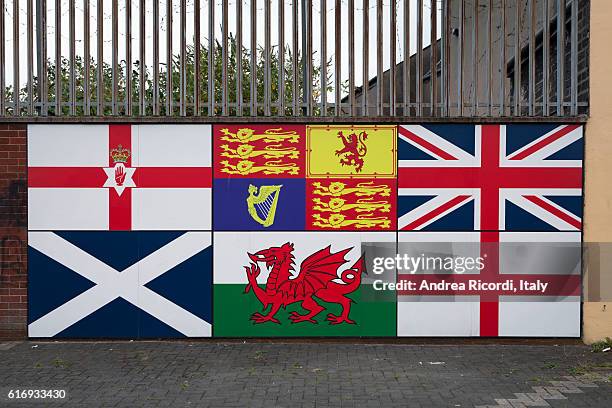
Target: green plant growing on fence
[(169, 97)]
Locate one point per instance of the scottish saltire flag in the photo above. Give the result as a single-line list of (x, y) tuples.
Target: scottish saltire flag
[(288, 284), (119, 284), (543, 301), (490, 177), (119, 177)]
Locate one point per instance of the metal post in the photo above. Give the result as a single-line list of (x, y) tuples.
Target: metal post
[(304, 57), (323, 57)]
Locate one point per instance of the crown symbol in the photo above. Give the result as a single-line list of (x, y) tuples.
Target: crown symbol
[(120, 155)]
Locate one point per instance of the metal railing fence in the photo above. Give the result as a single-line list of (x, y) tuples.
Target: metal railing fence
[(276, 58)]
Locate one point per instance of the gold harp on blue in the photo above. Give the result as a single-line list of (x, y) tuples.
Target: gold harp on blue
[(262, 202)]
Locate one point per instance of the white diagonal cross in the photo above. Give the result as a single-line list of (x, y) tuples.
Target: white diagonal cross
[(111, 284)]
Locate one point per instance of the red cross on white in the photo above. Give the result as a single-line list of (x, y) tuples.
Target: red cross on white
[(484, 177), (119, 176)]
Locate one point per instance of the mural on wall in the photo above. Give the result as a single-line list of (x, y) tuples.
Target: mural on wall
[(119, 177), (296, 284), (137, 228)]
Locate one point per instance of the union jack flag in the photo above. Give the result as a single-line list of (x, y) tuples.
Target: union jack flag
[(490, 177)]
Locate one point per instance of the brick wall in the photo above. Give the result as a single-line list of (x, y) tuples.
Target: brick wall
[(13, 225)]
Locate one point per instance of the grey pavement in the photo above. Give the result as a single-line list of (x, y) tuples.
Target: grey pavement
[(344, 373)]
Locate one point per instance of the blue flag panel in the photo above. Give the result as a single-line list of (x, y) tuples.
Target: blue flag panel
[(120, 284)]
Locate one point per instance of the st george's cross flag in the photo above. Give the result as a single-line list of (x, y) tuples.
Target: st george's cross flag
[(490, 177), (528, 285), (119, 177), (119, 284)]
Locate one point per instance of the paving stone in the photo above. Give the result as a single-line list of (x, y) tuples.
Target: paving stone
[(309, 374)]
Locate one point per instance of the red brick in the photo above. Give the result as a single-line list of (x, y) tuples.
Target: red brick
[(17, 153), (17, 291), (17, 140), (10, 148)]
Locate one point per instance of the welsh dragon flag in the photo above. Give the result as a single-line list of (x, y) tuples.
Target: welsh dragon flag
[(270, 284)]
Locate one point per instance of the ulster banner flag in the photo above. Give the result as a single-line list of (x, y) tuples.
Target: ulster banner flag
[(119, 177)]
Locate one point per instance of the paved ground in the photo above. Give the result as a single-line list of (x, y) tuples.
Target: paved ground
[(216, 374)]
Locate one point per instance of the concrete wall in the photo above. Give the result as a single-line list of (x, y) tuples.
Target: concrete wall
[(597, 317)]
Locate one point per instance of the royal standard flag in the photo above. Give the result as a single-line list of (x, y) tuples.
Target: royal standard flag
[(299, 284), (351, 151)]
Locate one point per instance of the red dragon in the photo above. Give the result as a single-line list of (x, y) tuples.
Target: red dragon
[(317, 277)]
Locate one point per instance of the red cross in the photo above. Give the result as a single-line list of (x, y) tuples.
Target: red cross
[(489, 178), (120, 206)]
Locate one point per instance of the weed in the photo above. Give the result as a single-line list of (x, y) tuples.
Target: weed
[(601, 345)]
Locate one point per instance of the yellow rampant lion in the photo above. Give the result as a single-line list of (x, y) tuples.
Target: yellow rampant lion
[(339, 221), (245, 135), (338, 189), (245, 167), (246, 151), (362, 205)]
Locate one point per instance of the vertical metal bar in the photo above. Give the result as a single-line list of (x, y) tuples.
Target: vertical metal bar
[(532, 66), (366, 57), (239, 57), (128, 57), (115, 54), (445, 61), (196, 68), (30, 40), (225, 56), (304, 53), (58, 57), (560, 57), (100, 58), (309, 74), (351, 56), (155, 58), (141, 66), (490, 56), (574, 59), (183, 67), (433, 68), (379, 58), (406, 63), (87, 59), (338, 56), (475, 63), (323, 57), (169, 62), (433, 65), (41, 38), (281, 58), (309, 71), (16, 86), (72, 39), (503, 66), (517, 61), (211, 57), (393, 57), (266, 61), (253, 58), (419, 64), (460, 58), (545, 58), (294, 66), (2, 59)]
